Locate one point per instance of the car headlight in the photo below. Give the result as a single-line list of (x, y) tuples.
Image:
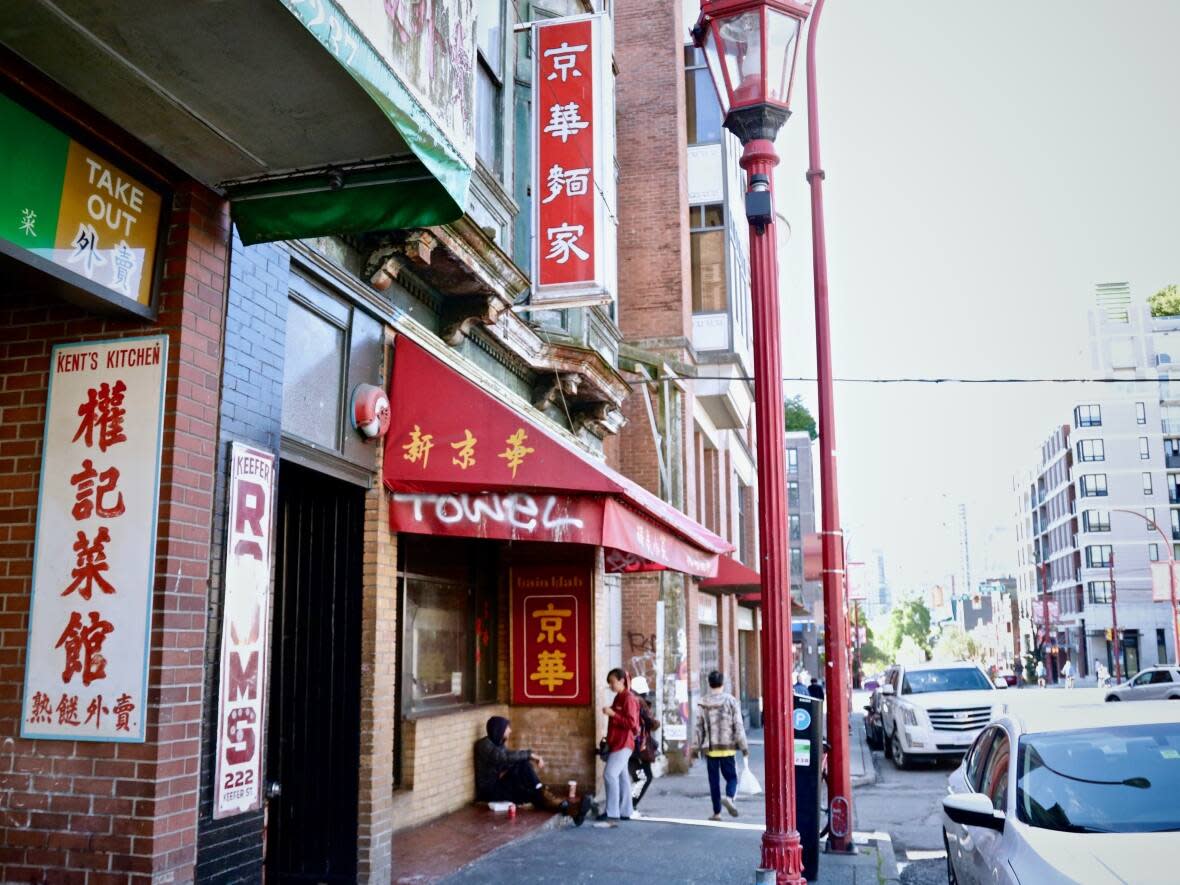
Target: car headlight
[(909, 715)]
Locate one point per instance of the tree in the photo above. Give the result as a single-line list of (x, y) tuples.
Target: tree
[(798, 416), (954, 644), (909, 620), (1165, 302)]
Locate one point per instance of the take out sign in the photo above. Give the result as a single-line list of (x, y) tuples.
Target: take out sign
[(71, 207)]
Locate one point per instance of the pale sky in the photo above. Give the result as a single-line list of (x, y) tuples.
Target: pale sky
[(986, 166)]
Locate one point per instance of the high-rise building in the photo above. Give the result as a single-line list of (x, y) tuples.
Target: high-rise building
[(803, 519)]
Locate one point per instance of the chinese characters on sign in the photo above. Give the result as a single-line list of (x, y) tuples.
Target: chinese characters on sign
[(550, 635), (67, 205), (240, 706), (94, 563), (574, 213)]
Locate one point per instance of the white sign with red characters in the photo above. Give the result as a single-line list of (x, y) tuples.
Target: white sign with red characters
[(574, 206), (86, 666), (244, 620)]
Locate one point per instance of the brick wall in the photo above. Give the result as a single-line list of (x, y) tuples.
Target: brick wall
[(230, 850), (106, 812)]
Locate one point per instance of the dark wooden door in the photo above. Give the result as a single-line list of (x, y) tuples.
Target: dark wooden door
[(313, 741)]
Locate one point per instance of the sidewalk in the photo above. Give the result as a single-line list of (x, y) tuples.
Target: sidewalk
[(674, 842)]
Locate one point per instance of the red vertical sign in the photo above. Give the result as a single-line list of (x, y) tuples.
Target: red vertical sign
[(551, 635), (566, 154)]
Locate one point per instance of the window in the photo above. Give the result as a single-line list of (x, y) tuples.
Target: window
[(796, 561), (1091, 450), (1099, 556), (1140, 413), (792, 495), (1144, 449), (1094, 485), (1161, 677), (448, 654), (1153, 552), (792, 462), (1147, 483), (707, 255), (703, 109), (794, 523), (1149, 512), (1161, 645), (1099, 592), (1096, 520), (1087, 416), (977, 757), (994, 783), (1171, 449), (489, 82)]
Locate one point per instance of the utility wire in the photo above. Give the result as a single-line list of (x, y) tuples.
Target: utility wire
[(908, 380)]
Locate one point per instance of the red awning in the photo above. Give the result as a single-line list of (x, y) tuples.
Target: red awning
[(732, 576), (461, 462)]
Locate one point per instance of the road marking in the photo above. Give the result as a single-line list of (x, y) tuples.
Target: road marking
[(720, 824), (925, 855)]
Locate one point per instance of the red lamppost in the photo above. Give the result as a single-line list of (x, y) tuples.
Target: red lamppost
[(751, 47)]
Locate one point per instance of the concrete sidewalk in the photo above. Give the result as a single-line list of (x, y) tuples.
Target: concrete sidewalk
[(671, 841)]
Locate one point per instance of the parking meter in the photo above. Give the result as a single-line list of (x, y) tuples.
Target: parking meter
[(808, 753)]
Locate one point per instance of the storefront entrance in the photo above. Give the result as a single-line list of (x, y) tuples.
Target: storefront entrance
[(313, 741)]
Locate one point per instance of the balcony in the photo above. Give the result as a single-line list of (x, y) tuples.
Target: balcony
[(1172, 461)]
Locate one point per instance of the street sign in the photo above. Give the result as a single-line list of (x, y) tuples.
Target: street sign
[(1161, 578)]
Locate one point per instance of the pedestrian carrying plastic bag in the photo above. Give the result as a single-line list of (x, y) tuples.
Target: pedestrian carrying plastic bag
[(747, 783)]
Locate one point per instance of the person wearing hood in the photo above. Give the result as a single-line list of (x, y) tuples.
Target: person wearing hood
[(720, 734), (503, 775), (647, 747), (621, 728)]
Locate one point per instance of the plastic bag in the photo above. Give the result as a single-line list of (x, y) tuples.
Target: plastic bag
[(747, 783)]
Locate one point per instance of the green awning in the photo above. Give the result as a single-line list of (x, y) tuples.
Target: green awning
[(429, 188)]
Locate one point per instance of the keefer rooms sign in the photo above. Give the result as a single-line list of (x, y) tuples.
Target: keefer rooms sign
[(94, 562), (243, 632), (550, 635)]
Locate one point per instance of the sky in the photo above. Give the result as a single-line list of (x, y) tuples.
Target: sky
[(986, 167)]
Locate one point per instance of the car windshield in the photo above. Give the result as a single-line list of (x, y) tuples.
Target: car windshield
[(951, 679), (1101, 780)]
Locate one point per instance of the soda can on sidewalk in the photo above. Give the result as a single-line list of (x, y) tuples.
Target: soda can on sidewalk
[(511, 810)]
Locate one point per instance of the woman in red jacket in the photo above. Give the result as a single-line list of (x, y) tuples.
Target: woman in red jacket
[(621, 728)]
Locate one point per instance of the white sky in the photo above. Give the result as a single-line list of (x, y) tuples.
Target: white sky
[(987, 165)]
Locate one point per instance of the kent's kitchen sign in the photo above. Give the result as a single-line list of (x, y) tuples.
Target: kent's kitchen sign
[(244, 620), (71, 208), (95, 551)]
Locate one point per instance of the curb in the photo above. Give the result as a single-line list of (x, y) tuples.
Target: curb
[(870, 775)]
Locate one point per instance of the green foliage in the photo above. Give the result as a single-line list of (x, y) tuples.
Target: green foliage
[(1165, 302), (908, 629), (1030, 667), (954, 644), (798, 417)]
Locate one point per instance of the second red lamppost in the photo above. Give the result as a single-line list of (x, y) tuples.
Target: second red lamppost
[(751, 47)]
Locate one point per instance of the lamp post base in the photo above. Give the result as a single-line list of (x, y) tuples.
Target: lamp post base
[(783, 853)]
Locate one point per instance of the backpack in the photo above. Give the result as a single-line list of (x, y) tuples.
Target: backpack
[(646, 746)]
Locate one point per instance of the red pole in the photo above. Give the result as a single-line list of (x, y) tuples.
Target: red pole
[(856, 654), (781, 849), (1175, 610), (839, 775), (1114, 622)]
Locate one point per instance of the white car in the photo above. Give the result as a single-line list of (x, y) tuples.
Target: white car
[(1152, 684), (1068, 795), (932, 710)]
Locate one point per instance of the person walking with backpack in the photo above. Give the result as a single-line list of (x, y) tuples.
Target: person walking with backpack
[(720, 734), (646, 745), (621, 727)]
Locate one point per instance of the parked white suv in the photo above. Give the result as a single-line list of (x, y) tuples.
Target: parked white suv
[(933, 710), (1152, 684)]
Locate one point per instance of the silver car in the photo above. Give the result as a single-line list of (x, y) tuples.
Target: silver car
[(1068, 795), (1152, 684)]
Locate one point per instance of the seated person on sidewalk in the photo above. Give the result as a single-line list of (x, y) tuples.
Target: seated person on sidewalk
[(503, 775)]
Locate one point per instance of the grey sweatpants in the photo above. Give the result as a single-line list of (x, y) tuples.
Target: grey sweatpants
[(618, 784)]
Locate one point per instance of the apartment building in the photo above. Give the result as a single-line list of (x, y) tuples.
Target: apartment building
[(804, 520)]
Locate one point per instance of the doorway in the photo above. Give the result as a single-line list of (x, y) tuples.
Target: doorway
[(313, 739)]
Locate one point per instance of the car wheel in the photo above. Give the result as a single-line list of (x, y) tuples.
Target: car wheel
[(899, 756), (951, 878), (1112, 698), (886, 744)]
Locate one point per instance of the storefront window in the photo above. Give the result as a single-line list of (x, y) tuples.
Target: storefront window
[(449, 625)]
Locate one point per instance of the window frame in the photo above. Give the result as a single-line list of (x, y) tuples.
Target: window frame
[(1103, 522), (1105, 560), (1148, 485), (1140, 413), (1092, 413), (1144, 449), (494, 167), (1095, 493), (697, 226), (1090, 450)]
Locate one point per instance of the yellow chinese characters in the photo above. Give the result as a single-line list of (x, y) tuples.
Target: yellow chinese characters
[(466, 451), (419, 446), (552, 623), (517, 451), (551, 671)]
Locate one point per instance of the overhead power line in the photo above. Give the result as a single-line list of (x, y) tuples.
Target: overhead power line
[(909, 380)]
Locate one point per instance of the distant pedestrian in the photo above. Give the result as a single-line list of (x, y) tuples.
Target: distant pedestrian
[(720, 734), (1041, 674), (647, 747), (1067, 672), (799, 687), (621, 727), (815, 690), (1102, 673)]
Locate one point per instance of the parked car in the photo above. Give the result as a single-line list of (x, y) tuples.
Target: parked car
[(933, 710), (1067, 794), (1009, 677), (1152, 684)]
